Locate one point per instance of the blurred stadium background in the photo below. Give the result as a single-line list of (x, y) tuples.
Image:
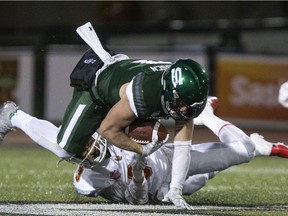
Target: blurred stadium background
[(243, 45)]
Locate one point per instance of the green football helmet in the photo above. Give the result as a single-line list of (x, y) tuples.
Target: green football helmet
[(185, 85)]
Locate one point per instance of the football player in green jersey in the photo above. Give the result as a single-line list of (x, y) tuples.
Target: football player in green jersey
[(179, 92), (122, 90), (125, 89)]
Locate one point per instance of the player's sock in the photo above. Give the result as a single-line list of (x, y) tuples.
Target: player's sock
[(209, 119), (223, 129), (20, 119), (226, 131), (40, 131), (34, 128)]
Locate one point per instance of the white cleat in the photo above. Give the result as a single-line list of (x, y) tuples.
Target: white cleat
[(212, 103), (6, 112)]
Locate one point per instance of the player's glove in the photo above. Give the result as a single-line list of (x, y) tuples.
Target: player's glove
[(152, 146), (174, 195), (283, 94)]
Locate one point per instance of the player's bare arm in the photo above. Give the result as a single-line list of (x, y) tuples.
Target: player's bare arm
[(119, 117), (111, 128)]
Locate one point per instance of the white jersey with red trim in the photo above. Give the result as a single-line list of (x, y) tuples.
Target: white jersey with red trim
[(111, 177)]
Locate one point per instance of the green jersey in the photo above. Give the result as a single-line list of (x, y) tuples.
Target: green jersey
[(146, 87), (84, 114)]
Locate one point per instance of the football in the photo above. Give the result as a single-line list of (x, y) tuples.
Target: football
[(142, 130)]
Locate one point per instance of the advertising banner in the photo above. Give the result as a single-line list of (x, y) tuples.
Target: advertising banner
[(248, 87)]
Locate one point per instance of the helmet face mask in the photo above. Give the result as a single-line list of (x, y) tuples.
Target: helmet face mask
[(96, 151), (178, 110), (185, 86)]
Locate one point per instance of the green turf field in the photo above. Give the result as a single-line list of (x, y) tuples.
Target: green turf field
[(30, 175)]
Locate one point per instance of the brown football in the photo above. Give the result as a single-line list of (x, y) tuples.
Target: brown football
[(142, 130)]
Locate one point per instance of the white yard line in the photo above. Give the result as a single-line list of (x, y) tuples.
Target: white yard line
[(109, 209)]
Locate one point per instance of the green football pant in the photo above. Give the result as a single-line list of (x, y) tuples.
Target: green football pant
[(82, 118)]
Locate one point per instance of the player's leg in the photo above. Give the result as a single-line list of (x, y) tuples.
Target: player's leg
[(82, 118), (236, 148), (228, 132), (196, 182), (40, 131), (208, 157)]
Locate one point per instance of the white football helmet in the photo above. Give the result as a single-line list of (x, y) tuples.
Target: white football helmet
[(96, 152)]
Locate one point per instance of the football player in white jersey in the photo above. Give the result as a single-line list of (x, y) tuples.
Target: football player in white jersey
[(120, 185), (119, 175)]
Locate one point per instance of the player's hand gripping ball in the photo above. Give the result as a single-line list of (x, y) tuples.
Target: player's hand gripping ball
[(143, 131)]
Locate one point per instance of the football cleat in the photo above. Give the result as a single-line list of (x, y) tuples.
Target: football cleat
[(280, 150), (8, 109), (277, 149), (212, 103)]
